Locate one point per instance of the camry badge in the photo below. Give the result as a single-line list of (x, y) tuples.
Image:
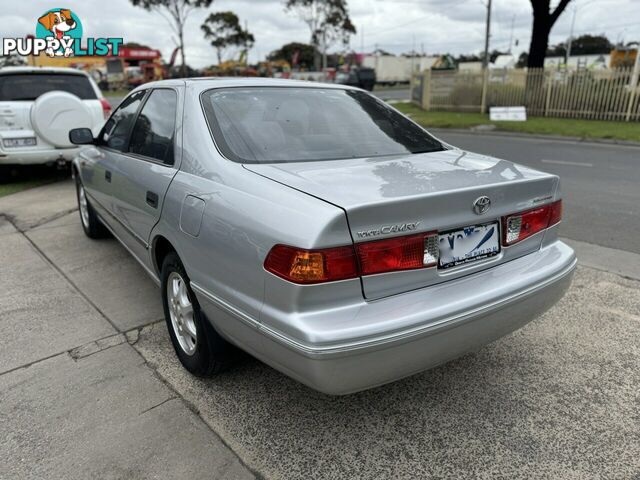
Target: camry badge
[(481, 205)]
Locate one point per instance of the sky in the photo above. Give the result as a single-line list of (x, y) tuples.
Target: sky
[(431, 26)]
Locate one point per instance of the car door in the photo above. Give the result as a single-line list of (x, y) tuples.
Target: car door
[(97, 164), (145, 170)]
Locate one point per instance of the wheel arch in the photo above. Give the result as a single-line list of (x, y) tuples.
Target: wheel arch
[(160, 248)]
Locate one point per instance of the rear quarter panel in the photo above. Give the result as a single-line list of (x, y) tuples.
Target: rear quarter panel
[(244, 216)]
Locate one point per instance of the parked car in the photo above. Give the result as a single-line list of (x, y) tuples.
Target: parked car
[(318, 229), (38, 107), (360, 77)]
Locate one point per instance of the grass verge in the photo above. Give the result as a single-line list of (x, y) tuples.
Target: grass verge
[(587, 129), (17, 178), (9, 188)]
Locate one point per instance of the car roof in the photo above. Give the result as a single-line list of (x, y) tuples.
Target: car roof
[(205, 83), (28, 69)]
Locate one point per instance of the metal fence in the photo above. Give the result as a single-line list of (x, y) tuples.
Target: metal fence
[(586, 94)]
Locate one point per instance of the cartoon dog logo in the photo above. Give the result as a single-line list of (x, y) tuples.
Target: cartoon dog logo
[(59, 23)]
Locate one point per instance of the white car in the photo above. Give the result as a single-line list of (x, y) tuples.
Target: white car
[(38, 107)]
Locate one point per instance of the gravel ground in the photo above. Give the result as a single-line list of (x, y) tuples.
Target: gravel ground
[(557, 399)]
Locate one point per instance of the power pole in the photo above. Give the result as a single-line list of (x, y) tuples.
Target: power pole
[(513, 24), (324, 49), (487, 35), (567, 54), (413, 54), (485, 60)]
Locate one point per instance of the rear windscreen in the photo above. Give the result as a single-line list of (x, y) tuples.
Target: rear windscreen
[(273, 124), (31, 86)]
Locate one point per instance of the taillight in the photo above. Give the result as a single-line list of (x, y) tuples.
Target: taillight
[(340, 263), (519, 226), (312, 266), (401, 253), (106, 108)]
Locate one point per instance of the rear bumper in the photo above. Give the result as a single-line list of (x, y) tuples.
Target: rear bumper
[(438, 324)]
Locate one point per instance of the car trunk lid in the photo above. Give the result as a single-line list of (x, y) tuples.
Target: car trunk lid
[(394, 196)]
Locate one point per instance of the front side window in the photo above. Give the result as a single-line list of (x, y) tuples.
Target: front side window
[(153, 132), (283, 124), (116, 131)]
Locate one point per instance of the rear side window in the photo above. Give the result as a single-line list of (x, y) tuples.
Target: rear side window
[(16, 87), (116, 130), (153, 133)]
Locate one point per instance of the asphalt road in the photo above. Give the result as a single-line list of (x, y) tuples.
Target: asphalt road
[(600, 183), (401, 93)]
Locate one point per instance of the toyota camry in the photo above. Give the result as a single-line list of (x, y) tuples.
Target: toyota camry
[(318, 229)]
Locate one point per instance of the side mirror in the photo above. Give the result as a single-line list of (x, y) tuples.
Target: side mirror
[(81, 136)]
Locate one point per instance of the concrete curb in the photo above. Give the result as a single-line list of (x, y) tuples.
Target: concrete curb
[(619, 262), (533, 136)]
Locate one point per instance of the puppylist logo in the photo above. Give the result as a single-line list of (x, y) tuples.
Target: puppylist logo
[(59, 33)]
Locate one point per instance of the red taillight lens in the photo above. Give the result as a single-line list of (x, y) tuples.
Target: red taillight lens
[(325, 265), (312, 266), (556, 213), (517, 227), (106, 108), (401, 253)]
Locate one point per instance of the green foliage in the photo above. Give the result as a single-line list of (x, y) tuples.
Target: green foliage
[(328, 17), (175, 12), (12, 61), (180, 5), (286, 52), (583, 45), (223, 30)]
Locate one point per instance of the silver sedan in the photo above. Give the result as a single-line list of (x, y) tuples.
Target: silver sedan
[(318, 229)]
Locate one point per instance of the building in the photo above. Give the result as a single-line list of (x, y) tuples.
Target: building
[(575, 62)]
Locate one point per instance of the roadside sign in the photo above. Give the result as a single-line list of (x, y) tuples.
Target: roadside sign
[(508, 114)]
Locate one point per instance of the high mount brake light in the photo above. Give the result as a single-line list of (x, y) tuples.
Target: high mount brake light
[(330, 264), (519, 226)]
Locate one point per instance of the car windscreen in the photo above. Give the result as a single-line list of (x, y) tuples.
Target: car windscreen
[(30, 86), (286, 124)]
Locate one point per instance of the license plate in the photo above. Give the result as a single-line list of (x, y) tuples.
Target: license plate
[(468, 244), (19, 142)]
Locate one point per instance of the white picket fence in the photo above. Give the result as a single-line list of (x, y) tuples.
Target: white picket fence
[(586, 94)]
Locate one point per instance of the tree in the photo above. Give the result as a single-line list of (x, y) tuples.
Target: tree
[(13, 60), (523, 59), (305, 56), (543, 20), (224, 31), (382, 51), (590, 44), (582, 45), (134, 45), (175, 12), (328, 21)]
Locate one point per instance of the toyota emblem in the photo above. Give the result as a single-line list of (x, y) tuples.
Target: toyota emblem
[(481, 205)]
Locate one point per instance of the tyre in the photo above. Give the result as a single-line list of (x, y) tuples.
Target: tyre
[(200, 349), (91, 224)]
